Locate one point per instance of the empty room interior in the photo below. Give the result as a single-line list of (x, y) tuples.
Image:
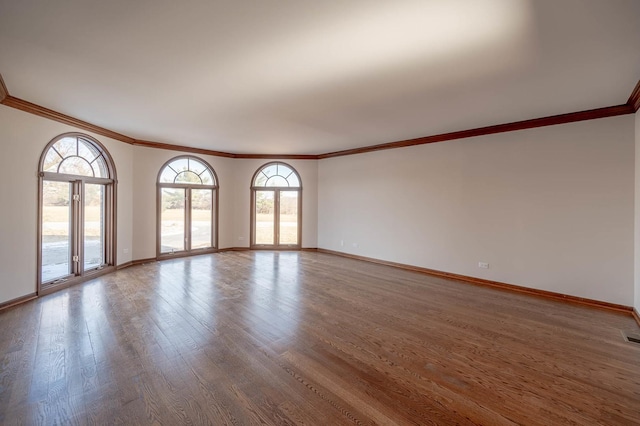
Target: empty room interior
[(325, 213)]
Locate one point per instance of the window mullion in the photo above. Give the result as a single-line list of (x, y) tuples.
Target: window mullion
[(276, 217), (76, 228), (187, 220)]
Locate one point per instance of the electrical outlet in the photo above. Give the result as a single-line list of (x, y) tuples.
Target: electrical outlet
[(355, 245), (125, 251), (240, 238), (483, 265), (341, 243)]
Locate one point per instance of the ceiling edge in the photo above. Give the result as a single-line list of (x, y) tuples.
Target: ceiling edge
[(32, 108), (278, 157), (593, 114), (159, 145), (632, 106)]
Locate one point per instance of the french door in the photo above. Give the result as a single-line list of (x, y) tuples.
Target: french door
[(276, 218), (186, 220), (75, 227)]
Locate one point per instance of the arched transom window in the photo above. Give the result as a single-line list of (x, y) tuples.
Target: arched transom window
[(188, 170), (76, 155), (187, 207), (276, 204), (77, 210), (276, 175)]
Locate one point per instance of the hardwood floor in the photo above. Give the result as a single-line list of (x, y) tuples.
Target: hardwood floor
[(309, 338)]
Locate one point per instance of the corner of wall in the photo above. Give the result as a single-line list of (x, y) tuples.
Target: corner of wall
[(636, 302)]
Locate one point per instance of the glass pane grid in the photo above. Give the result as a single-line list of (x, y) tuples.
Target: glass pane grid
[(187, 170), (277, 176)]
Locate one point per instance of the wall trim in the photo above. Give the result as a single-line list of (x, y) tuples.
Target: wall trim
[(488, 283), (277, 156), (636, 315), (135, 263), (158, 145), (632, 105), (41, 111), (572, 117), (18, 301), (124, 265), (52, 288)]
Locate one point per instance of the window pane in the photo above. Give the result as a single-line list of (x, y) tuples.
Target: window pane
[(196, 166), (261, 180), (270, 170), (56, 231), (277, 181), (188, 177), (51, 161), (172, 220), (284, 170), (75, 166), (87, 151), (201, 215), (207, 178), (180, 165), (293, 180), (265, 215), (93, 226), (288, 217), (100, 167), (67, 146), (167, 175)]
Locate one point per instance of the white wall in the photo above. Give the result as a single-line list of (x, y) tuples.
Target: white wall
[(637, 215), (23, 137), (549, 208)]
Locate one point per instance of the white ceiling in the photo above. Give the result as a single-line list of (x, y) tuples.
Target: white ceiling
[(309, 77)]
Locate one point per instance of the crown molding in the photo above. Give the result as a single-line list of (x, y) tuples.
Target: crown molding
[(500, 128), (159, 145), (632, 106), (634, 99), (278, 157), (32, 108)]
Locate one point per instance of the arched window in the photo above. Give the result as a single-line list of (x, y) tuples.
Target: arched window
[(276, 207), (77, 210), (187, 207)]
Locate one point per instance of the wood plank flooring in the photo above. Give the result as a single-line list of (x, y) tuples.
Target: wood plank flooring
[(288, 338)]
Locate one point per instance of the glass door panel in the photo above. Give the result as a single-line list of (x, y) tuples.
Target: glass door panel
[(201, 218), (56, 230), (172, 219), (288, 220), (94, 243), (265, 217)]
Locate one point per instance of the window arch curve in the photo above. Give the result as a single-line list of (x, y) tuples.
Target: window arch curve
[(276, 207), (276, 175), (187, 207), (77, 210)]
